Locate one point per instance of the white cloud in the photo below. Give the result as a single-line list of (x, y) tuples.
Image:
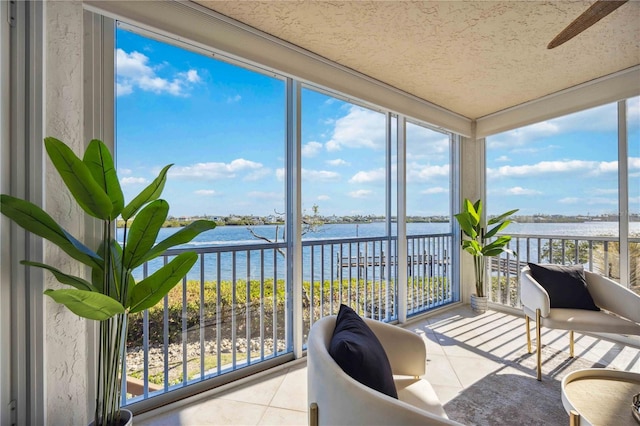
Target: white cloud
[(319, 175), (311, 149), (133, 180), (205, 192), (361, 193), (503, 159), (570, 200), (420, 172), (360, 128), (435, 190), (633, 111), (209, 171), (424, 143), (602, 118), (377, 175), (123, 89), (258, 174), (234, 99), (125, 171), (191, 76), (337, 162), (547, 167), (133, 71), (323, 198), (518, 190), (280, 174)]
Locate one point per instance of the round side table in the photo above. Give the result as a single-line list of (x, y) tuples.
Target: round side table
[(600, 397)]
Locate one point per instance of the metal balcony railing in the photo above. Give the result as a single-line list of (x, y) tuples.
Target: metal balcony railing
[(234, 309), (597, 254)]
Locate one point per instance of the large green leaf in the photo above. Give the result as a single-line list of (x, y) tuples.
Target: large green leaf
[(496, 247), (497, 229), (472, 247), (466, 223), (123, 278), (150, 193), (71, 280), (99, 161), (110, 249), (35, 220), (143, 232), (183, 236), (502, 217), (152, 289), (79, 180), (87, 304), (475, 210)]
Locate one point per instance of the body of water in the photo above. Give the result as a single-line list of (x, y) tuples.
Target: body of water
[(254, 264)]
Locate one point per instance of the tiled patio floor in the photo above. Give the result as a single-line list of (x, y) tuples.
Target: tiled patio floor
[(462, 348)]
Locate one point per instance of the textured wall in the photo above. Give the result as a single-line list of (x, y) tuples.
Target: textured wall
[(66, 334)]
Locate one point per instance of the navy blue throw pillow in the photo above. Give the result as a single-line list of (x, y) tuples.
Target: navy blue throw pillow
[(357, 350), (566, 286)]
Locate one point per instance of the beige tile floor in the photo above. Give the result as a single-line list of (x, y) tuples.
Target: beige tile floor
[(462, 348)]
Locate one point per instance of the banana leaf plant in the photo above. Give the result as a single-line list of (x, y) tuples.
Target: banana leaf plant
[(478, 242), (111, 293)]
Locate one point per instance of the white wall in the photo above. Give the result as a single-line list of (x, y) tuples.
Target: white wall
[(66, 347)]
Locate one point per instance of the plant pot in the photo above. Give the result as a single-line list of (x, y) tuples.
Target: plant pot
[(479, 304), (126, 418)]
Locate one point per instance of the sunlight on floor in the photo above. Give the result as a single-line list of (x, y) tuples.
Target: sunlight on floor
[(462, 349)]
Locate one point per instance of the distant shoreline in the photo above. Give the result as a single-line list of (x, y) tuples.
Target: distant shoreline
[(258, 220)]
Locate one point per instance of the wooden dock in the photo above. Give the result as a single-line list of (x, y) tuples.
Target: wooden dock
[(506, 266), (414, 262)]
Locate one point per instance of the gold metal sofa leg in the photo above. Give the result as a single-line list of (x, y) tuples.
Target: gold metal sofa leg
[(571, 343), (313, 414), (526, 319), (538, 346)]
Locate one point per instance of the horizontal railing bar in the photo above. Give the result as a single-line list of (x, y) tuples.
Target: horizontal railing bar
[(563, 237)]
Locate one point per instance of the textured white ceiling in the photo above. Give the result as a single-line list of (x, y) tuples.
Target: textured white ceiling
[(471, 57)]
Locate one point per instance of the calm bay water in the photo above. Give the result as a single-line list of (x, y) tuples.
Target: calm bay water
[(239, 235), (225, 235)]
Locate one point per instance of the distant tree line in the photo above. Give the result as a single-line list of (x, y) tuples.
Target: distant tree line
[(278, 219)]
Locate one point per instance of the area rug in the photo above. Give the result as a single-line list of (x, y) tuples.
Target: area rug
[(513, 396)]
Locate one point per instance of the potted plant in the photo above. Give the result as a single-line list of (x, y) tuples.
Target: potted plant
[(478, 245), (111, 293)]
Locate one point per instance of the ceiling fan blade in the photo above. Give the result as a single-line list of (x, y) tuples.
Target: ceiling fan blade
[(596, 12)]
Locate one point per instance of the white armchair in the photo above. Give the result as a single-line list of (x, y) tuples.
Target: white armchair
[(619, 314), (337, 399)]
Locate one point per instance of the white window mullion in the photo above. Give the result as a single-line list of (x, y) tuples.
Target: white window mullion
[(401, 281), (623, 193), (25, 174), (294, 217)]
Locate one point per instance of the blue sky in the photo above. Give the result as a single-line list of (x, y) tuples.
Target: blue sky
[(223, 128), (564, 166)]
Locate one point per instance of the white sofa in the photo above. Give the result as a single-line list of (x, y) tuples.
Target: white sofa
[(619, 314), (337, 399)]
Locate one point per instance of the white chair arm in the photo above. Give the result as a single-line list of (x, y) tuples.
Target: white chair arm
[(532, 295), (611, 296), (406, 350)]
